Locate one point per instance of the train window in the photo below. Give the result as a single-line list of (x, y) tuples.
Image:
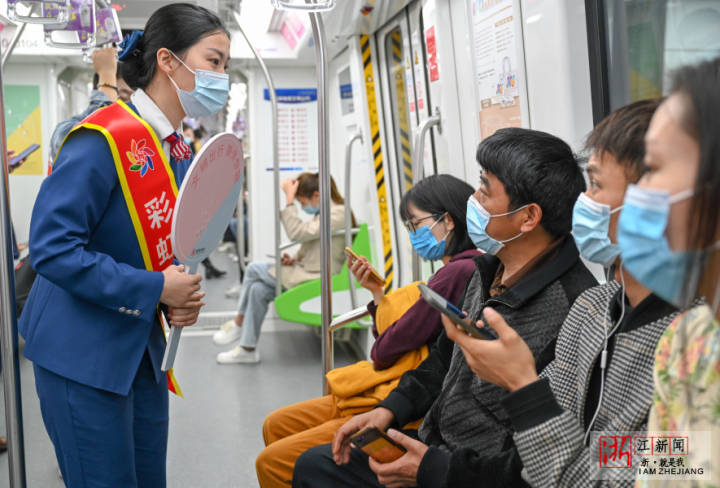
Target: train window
[(399, 104), (647, 39)]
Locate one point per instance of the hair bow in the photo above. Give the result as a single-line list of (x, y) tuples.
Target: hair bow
[(129, 45)]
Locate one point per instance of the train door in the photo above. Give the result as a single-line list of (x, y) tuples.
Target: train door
[(398, 103), (414, 48)]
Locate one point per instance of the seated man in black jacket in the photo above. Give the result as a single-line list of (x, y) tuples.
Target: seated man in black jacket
[(531, 273)]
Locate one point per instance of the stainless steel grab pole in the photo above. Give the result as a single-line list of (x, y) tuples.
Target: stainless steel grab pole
[(16, 37), (276, 161), (321, 64), (348, 211), (417, 169), (8, 322), (240, 238)]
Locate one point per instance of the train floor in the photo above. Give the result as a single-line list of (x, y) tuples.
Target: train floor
[(216, 429)]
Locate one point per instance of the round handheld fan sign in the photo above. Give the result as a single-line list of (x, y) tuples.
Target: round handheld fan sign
[(205, 204)]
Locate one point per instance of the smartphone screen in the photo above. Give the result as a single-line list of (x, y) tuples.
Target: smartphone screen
[(378, 445), (455, 314), (373, 273), (27, 152)]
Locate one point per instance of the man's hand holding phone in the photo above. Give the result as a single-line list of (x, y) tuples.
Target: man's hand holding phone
[(379, 417), (403, 471)]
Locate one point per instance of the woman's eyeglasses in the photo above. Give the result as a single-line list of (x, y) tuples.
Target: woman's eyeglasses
[(411, 226)]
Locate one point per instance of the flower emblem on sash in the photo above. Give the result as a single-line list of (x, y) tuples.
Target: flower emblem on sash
[(140, 157)]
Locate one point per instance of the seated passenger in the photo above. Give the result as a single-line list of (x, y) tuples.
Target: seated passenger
[(403, 325), (684, 153), (601, 378), (259, 281), (521, 217)]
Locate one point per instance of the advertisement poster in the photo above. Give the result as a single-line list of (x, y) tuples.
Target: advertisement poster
[(496, 65), (297, 128), (23, 119)]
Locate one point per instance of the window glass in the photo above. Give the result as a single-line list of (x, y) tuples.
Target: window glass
[(648, 39)]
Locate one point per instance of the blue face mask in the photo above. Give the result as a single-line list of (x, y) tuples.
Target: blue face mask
[(309, 209), (425, 243), (187, 140), (477, 221), (644, 248), (590, 226), (209, 96)]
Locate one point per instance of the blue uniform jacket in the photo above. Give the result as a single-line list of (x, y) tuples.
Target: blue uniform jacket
[(91, 313)]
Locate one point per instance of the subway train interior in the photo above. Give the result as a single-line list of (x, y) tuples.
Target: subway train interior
[(376, 93)]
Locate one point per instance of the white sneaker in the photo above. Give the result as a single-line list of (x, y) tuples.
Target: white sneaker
[(234, 291), (229, 332), (238, 355)]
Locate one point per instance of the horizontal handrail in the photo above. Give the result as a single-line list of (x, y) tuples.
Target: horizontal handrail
[(349, 317), (337, 233)]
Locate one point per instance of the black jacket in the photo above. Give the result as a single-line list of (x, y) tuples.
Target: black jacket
[(465, 425)]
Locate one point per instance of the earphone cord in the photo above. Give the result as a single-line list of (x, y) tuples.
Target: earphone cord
[(603, 354)]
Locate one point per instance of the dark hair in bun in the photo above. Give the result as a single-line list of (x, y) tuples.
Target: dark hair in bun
[(177, 27)]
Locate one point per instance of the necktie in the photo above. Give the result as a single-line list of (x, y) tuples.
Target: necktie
[(179, 149)]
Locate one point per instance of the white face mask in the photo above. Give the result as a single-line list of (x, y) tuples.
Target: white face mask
[(209, 96)]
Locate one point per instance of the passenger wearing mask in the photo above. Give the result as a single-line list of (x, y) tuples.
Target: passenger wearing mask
[(259, 282), (531, 270), (108, 86), (601, 378), (679, 202), (404, 327), (98, 241)]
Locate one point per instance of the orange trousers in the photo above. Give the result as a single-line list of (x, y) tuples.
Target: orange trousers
[(289, 432)]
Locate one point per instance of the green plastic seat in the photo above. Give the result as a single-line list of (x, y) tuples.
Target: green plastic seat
[(288, 304)]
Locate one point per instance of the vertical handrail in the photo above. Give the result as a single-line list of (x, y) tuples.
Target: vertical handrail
[(417, 169), (348, 211), (241, 225), (321, 63), (8, 319), (276, 162)]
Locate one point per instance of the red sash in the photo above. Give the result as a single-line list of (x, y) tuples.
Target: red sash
[(147, 182)]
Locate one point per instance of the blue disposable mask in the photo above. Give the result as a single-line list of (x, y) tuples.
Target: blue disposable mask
[(187, 140), (590, 226), (425, 243), (309, 209), (645, 250), (209, 96), (477, 221)]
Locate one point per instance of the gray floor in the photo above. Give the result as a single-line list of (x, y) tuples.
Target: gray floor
[(215, 431)]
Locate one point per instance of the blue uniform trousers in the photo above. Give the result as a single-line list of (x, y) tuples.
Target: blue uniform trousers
[(103, 439)]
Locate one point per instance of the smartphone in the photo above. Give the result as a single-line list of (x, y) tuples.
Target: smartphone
[(455, 314), (27, 152), (376, 444), (374, 274)]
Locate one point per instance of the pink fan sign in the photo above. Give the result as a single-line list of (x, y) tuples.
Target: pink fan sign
[(205, 204)]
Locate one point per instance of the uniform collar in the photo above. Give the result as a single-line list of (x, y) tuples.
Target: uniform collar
[(151, 113)]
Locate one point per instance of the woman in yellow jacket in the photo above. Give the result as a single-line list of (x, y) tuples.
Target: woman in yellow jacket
[(259, 282)]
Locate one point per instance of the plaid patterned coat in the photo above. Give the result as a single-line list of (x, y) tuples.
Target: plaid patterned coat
[(552, 448)]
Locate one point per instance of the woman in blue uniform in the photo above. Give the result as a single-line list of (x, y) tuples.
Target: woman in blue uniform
[(99, 241)]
